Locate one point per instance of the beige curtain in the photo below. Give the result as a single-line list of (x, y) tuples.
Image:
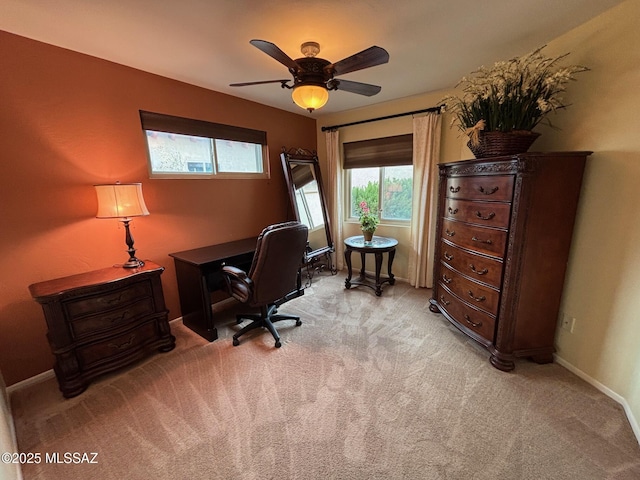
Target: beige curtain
[(426, 151), (334, 194)]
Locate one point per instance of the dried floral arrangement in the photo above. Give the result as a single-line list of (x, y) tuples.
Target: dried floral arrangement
[(511, 95)]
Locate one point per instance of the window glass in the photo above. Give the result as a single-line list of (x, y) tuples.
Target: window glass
[(175, 153), (397, 190), (238, 156), (392, 201)]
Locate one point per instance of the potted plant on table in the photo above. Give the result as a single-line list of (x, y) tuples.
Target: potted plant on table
[(368, 220), (501, 105)]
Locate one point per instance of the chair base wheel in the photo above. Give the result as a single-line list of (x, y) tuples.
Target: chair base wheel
[(236, 342), (278, 344), (298, 323)]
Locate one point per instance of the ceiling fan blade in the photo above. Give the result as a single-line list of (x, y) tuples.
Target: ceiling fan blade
[(370, 57), (357, 87), (258, 83), (273, 51)]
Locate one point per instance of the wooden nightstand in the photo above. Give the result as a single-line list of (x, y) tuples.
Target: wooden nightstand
[(103, 320)]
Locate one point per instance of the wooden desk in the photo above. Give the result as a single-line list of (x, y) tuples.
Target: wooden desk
[(198, 272), (377, 246)]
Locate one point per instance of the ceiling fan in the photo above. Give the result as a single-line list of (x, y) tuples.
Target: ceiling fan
[(313, 77)]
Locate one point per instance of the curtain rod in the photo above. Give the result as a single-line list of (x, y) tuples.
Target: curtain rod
[(432, 109)]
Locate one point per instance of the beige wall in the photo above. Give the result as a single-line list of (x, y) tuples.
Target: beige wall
[(603, 282), (602, 289)]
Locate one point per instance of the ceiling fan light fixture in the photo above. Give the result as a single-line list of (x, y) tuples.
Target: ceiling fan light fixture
[(310, 97)]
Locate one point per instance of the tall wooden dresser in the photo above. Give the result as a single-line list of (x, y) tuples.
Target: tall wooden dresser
[(503, 237), (103, 320)]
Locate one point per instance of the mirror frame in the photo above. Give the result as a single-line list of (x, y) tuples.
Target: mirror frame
[(308, 157)]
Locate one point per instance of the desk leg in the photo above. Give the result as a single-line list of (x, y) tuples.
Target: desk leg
[(347, 259), (195, 300), (378, 256), (392, 253)]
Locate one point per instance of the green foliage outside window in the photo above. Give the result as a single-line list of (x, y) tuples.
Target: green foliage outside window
[(396, 198)]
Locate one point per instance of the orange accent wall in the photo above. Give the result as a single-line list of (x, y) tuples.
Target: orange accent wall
[(69, 121)]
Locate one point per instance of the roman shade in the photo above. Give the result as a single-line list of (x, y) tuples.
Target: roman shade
[(187, 126), (379, 152)]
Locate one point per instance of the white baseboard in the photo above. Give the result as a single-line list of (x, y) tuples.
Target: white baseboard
[(41, 377), (46, 375), (606, 390)]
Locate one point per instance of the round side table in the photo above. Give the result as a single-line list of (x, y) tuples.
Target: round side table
[(377, 246)]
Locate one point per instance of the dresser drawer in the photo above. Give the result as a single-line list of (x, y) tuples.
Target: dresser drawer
[(480, 239), (107, 300), (492, 187), (481, 296), (479, 322), (481, 213), (477, 267), (118, 346), (94, 324)]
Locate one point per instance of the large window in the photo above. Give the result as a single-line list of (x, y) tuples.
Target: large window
[(182, 147), (380, 172)]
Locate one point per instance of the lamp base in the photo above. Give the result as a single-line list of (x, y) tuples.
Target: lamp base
[(133, 263)]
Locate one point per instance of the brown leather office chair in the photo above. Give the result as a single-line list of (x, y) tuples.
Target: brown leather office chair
[(273, 276)]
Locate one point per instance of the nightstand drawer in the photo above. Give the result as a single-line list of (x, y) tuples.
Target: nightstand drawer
[(122, 345), (106, 301), (470, 318), (490, 214), (480, 239), (482, 269), (492, 187), (90, 325)]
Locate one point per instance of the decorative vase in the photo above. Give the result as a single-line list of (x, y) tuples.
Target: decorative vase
[(496, 144), (368, 235)]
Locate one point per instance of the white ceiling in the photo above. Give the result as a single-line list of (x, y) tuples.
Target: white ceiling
[(431, 43)]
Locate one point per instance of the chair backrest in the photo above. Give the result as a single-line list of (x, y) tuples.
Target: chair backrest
[(279, 254)]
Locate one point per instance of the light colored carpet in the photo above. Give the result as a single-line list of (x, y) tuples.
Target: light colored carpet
[(367, 388)]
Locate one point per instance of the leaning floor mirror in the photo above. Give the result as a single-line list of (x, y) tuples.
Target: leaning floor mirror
[(304, 183)]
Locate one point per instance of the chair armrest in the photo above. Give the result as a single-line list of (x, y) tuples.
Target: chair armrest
[(235, 272), (239, 285)]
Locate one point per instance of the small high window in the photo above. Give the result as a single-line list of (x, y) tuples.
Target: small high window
[(185, 148)]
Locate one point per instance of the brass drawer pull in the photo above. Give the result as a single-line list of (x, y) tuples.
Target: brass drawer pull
[(488, 242), (488, 217), (114, 300), (446, 279), (443, 301), (118, 318), (449, 233), (448, 256), (470, 322), (453, 211), (477, 299), (484, 271), (454, 190), (488, 192), (124, 345)]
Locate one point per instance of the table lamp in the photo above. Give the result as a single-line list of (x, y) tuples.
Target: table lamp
[(123, 201)]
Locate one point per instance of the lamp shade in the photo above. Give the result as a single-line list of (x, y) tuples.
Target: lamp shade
[(310, 97), (120, 200)]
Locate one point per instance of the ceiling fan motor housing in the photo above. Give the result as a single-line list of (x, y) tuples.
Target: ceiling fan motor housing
[(312, 71)]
